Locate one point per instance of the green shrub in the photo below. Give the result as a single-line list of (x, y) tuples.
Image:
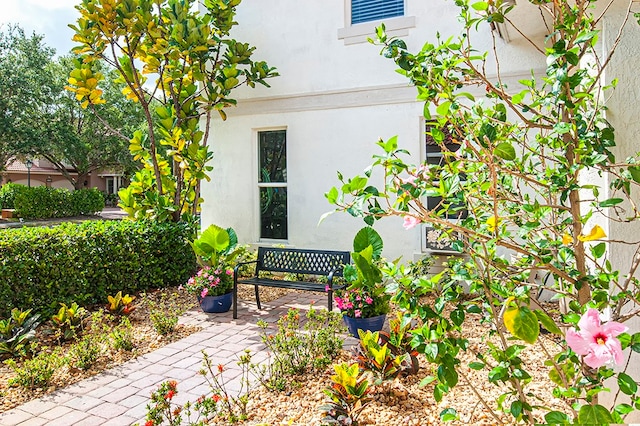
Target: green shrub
[(43, 267), (84, 353), (41, 202), (87, 201), (8, 194), (36, 372)]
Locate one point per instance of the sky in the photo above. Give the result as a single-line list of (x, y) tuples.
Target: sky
[(46, 17)]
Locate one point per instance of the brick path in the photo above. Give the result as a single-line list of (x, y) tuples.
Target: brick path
[(119, 396)]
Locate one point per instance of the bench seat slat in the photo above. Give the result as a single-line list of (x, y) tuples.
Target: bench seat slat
[(297, 285)]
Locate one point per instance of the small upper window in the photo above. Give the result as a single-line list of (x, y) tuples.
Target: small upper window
[(374, 10)]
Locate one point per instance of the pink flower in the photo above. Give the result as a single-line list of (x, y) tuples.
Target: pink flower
[(357, 313), (211, 277), (229, 272), (596, 342), (204, 292), (411, 180), (410, 222), (368, 300), (327, 288)]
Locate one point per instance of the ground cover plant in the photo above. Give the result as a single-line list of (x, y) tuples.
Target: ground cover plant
[(105, 340), (516, 183)]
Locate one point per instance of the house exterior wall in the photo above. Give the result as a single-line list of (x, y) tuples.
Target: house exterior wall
[(623, 115), (336, 98)]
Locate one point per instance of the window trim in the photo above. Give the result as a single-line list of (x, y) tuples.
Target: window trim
[(359, 33), (260, 185)]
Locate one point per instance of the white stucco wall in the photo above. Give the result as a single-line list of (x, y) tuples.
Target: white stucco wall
[(623, 114), (335, 100)]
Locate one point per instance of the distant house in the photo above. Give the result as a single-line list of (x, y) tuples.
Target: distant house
[(43, 173)]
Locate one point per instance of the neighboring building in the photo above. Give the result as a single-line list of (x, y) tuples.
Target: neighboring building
[(43, 173)]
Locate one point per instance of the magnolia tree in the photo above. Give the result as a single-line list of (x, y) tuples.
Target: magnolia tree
[(512, 183), (181, 66)]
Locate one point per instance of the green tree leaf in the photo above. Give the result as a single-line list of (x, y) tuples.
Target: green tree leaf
[(505, 151), (594, 415), (522, 323)]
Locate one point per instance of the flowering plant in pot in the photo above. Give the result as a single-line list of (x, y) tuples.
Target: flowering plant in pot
[(364, 303), (215, 250)]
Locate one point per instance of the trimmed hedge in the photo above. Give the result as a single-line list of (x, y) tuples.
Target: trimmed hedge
[(8, 193), (83, 263), (40, 202)]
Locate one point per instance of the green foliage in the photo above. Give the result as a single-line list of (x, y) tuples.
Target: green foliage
[(84, 353), (365, 293), (197, 66), (296, 350), (531, 164), (41, 202), (8, 193), (17, 333), (220, 405), (83, 263), (68, 320), (121, 305), (122, 335), (388, 355), (217, 247), (165, 315), (374, 356), (36, 372), (27, 88), (348, 395)]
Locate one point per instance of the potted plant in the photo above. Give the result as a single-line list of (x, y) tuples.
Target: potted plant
[(215, 251), (364, 303)]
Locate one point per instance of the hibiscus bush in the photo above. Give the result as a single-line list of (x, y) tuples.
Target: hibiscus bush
[(528, 180)]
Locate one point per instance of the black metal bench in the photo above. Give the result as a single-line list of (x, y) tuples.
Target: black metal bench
[(296, 261)]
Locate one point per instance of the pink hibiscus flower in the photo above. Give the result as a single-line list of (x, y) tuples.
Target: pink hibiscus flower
[(410, 222), (595, 341)]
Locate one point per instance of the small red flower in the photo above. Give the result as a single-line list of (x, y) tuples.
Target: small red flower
[(220, 368), (215, 397), (149, 423), (169, 395), (173, 384)]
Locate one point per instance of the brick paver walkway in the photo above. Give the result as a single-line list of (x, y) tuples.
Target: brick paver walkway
[(119, 396)]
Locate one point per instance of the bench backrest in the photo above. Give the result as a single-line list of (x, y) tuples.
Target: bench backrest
[(301, 261)]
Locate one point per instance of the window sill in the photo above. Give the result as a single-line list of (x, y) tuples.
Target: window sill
[(359, 33)]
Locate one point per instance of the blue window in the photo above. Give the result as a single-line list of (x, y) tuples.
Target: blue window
[(374, 10)]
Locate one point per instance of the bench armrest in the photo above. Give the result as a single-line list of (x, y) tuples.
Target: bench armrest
[(330, 276), (239, 265)]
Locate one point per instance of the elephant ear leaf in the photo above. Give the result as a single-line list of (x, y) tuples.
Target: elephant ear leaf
[(368, 236), (214, 240)]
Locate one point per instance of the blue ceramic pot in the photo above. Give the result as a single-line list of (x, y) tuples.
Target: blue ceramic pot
[(216, 304), (364, 324)]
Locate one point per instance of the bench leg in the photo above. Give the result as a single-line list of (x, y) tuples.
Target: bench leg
[(235, 300), (257, 297), (330, 301)]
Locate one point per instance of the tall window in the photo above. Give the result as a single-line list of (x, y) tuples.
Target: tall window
[(272, 183), (434, 155), (374, 10)]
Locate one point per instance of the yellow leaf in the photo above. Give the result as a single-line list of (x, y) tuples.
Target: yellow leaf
[(596, 233), (567, 239), (492, 222)]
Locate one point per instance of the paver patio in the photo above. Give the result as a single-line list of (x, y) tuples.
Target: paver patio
[(119, 396)]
